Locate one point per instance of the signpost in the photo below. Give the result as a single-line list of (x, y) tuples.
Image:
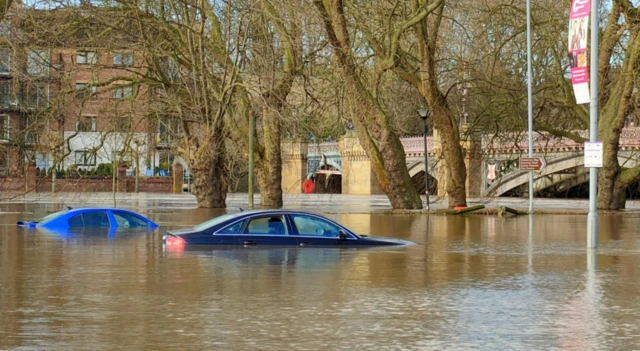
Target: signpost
[(592, 217), (593, 155), (584, 93), (532, 163), (529, 102)]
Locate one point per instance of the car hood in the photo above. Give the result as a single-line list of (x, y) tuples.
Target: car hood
[(386, 241)]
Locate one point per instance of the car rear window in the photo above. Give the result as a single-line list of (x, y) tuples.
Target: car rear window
[(128, 220), (215, 221), (51, 216)]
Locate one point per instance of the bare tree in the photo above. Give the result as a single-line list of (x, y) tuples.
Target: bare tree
[(373, 124)]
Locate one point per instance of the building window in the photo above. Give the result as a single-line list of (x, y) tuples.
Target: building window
[(86, 124), (123, 92), (170, 68), (5, 94), (37, 95), (122, 59), (122, 124), (168, 128), (84, 91), (85, 158), (38, 62), (5, 61), (5, 127), (4, 164), (86, 57), (30, 138)]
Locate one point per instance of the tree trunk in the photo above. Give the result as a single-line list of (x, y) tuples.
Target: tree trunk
[(382, 145), (452, 152), (611, 183), (269, 173), (209, 178), (443, 119), (608, 196), (373, 126)]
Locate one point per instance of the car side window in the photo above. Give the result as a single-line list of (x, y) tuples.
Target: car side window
[(127, 220), (273, 225), (76, 221), (309, 225), (232, 229), (90, 219)]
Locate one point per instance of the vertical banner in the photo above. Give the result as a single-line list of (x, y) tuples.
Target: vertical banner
[(578, 25)]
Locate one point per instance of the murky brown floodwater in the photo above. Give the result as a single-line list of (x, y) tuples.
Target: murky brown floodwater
[(473, 282)]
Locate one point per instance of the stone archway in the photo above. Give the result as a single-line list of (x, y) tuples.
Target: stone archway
[(328, 180), (417, 173), (553, 174)]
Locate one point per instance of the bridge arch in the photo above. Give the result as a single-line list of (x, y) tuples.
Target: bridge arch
[(324, 162), (416, 167), (417, 172), (552, 175)]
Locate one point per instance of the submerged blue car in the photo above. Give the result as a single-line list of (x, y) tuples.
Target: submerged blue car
[(90, 217), (272, 227)]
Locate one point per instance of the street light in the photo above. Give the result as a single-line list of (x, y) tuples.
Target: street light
[(424, 114)]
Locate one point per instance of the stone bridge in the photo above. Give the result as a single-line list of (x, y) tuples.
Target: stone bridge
[(492, 163)]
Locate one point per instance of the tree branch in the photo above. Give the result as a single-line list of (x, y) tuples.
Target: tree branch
[(559, 133)]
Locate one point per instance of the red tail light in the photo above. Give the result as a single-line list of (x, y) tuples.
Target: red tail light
[(174, 241)]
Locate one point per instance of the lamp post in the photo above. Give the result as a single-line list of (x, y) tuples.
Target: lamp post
[(424, 114)]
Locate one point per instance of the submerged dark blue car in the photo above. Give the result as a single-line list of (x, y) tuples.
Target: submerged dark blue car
[(90, 217), (272, 227)]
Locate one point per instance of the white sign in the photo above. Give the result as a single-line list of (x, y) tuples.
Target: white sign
[(593, 155)]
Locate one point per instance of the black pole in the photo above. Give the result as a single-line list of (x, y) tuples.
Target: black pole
[(426, 164)]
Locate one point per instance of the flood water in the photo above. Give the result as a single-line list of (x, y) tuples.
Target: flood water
[(474, 282)]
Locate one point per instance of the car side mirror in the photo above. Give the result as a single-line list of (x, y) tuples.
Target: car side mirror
[(342, 235)]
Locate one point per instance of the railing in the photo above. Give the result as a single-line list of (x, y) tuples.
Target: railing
[(411, 145), (323, 148), (630, 137), (415, 145)]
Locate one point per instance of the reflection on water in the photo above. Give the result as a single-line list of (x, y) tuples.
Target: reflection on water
[(473, 282)]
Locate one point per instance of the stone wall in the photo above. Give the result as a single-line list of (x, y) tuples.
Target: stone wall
[(294, 165), (146, 185), (357, 174), (12, 185)]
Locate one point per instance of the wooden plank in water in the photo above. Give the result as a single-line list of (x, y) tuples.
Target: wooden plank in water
[(468, 209)]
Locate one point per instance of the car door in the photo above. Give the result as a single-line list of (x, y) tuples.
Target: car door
[(269, 229), (315, 231)]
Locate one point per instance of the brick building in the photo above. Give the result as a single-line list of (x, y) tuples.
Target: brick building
[(75, 103)]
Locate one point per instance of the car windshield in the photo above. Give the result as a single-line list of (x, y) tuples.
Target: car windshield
[(215, 221), (50, 216)]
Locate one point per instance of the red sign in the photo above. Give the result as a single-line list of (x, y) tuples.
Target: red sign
[(580, 8), (578, 29), (532, 163)]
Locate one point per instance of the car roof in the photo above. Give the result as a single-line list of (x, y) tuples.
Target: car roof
[(79, 210), (91, 209), (251, 213), (275, 211)]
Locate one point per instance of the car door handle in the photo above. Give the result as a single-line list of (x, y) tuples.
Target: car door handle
[(247, 243), (304, 243)]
